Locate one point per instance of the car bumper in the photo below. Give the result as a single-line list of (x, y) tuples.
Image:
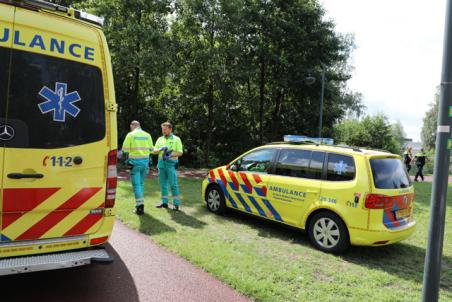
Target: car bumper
[(46, 262), (377, 237)]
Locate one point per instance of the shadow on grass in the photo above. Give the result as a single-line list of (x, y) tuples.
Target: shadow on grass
[(151, 226), (182, 218), (402, 260), (267, 228)]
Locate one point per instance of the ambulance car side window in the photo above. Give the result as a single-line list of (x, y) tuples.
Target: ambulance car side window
[(294, 162), (316, 164), (340, 167), (4, 63), (54, 103), (257, 161)]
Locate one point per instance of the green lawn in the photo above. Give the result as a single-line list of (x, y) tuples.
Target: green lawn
[(269, 262)]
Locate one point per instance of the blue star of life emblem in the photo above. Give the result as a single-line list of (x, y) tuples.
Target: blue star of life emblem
[(340, 167), (59, 101)]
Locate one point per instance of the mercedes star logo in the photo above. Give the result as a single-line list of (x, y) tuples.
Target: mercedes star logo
[(6, 132)]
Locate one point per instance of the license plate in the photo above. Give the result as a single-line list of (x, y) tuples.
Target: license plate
[(404, 213)]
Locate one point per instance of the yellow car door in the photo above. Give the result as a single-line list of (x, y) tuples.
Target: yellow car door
[(247, 182), (295, 183), (54, 164)]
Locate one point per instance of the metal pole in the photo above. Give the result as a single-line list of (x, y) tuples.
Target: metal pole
[(322, 92), (432, 267)]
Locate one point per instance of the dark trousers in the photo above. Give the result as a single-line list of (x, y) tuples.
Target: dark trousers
[(408, 167), (419, 172)]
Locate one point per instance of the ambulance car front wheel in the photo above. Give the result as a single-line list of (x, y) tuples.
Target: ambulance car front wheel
[(215, 200), (328, 232)]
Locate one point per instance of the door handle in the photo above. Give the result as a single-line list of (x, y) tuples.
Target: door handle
[(22, 175)]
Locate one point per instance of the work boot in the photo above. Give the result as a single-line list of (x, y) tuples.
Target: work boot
[(139, 210), (176, 208), (162, 205)]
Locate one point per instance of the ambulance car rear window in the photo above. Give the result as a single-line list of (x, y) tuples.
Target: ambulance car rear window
[(389, 173), (54, 103)]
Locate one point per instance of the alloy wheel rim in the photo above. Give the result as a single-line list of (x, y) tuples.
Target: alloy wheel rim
[(326, 232), (213, 200)]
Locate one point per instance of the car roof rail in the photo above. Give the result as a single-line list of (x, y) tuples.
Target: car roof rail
[(356, 149), (37, 4), (349, 147), (293, 143)]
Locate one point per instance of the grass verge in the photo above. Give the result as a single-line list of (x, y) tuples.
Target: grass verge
[(270, 262)]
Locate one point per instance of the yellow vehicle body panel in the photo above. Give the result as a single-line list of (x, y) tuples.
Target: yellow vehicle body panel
[(60, 203), (293, 200)]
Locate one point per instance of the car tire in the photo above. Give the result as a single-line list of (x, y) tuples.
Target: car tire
[(328, 233), (215, 200)]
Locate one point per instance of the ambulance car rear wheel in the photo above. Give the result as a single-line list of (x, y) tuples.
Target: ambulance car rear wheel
[(215, 200), (328, 233)]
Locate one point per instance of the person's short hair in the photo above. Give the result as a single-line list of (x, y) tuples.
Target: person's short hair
[(135, 123), (167, 124)]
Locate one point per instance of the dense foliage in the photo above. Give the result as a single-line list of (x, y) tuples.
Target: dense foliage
[(374, 132), (230, 74)]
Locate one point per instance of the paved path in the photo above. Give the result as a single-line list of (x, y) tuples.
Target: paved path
[(142, 271), (429, 178)]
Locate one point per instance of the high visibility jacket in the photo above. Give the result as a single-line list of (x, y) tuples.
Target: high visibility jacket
[(420, 158), (407, 156), (173, 143), (138, 144)]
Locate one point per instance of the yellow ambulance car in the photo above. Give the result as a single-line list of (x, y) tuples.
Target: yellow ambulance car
[(339, 195), (57, 138)]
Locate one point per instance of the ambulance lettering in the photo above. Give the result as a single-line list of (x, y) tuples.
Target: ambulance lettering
[(328, 199), (58, 161), (287, 195), (53, 45)]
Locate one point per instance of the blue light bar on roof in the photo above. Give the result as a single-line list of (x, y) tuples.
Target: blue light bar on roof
[(302, 138)]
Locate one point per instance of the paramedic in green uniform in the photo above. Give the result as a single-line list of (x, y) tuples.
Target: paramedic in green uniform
[(169, 149), (138, 144)]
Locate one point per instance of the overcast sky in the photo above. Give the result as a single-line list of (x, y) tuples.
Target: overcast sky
[(398, 57)]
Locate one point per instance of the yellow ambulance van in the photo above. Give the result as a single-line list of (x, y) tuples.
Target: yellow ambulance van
[(58, 138)]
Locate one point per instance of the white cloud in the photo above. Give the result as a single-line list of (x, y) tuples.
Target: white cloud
[(398, 56)]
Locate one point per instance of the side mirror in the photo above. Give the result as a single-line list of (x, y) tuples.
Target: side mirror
[(234, 168)]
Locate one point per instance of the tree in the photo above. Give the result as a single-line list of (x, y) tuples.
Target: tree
[(371, 132), (228, 74), (430, 121), (352, 133), (399, 134), (136, 32)]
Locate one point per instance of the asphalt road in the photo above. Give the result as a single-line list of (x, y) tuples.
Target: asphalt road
[(142, 271)]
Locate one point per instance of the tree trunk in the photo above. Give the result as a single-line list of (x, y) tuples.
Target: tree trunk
[(261, 101), (136, 75), (276, 116), (210, 102), (209, 123)]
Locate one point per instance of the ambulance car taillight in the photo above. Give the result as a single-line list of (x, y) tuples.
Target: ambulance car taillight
[(378, 201), (112, 179)]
